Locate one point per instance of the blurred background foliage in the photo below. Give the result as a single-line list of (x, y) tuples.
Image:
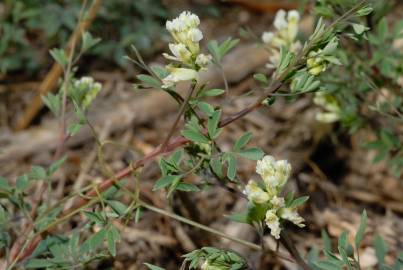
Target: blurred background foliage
[(29, 28)]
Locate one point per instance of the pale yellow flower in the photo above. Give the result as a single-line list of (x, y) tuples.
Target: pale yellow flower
[(203, 60), (292, 215), (274, 173), (277, 202), (180, 53), (177, 75), (331, 106), (186, 51), (255, 193), (273, 222), (315, 63), (286, 25)]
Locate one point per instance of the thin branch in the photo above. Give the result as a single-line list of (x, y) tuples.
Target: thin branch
[(178, 117)]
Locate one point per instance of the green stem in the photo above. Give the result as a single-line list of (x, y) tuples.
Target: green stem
[(178, 117)]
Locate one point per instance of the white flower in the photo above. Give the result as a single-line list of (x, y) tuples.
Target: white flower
[(255, 193), (330, 104), (279, 21), (277, 202), (327, 101), (327, 117), (89, 89), (273, 222), (189, 20), (292, 215), (203, 60), (180, 52), (293, 16), (195, 35), (274, 173), (177, 75), (267, 37), (185, 21), (84, 82), (286, 25), (292, 27), (185, 50)]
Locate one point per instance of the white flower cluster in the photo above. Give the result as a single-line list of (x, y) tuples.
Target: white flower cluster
[(275, 174), (186, 50), (89, 89), (286, 25), (330, 104)]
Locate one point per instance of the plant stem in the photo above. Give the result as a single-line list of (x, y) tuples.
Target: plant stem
[(288, 244), (178, 117), (16, 251)]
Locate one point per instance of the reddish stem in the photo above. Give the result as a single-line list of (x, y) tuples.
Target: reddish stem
[(176, 142)]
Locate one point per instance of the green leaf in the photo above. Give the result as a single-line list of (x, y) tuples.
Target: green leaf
[(153, 267), (38, 263), (257, 212), (242, 141), (313, 256), (380, 249), (231, 170), (216, 166), (364, 11), (361, 229), (150, 81), (239, 217), (4, 185), (227, 45), (160, 71), (118, 207), (261, 78), (187, 187), (298, 201), (37, 173), (74, 128), (359, 28), (382, 29), (253, 153), (56, 165), (110, 236), (389, 138), (326, 241), (74, 242), (214, 50), (53, 102), (176, 157), (343, 238), (206, 108), (344, 256), (59, 55), (328, 265), (333, 60), (22, 182), (95, 241), (139, 213), (331, 46), (212, 124), (88, 41), (195, 136), (95, 217), (212, 92), (165, 181)]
